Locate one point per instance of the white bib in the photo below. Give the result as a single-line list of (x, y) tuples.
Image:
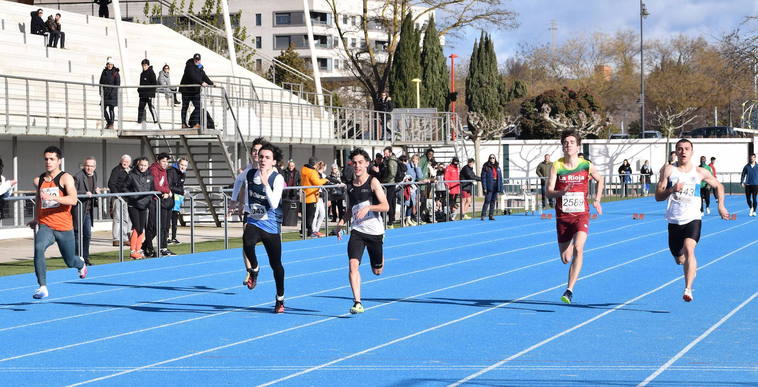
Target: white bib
[(572, 202), (52, 191), (258, 212)]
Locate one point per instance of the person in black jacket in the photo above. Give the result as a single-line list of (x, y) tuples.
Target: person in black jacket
[(193, 75), (467, 173), (110, 77), (102, 11), (37, 25), (140, 180), (176, 177), (86, 184), (117, 183), (146, 94), (291, 179)]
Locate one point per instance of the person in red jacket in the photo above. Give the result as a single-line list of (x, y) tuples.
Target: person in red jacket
[(160, 184), (453, 173)]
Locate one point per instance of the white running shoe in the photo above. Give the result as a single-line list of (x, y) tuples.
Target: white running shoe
[(707, 211), (40, 293), (687, 297)]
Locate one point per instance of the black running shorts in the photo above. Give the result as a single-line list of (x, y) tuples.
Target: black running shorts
[(374, 243), (679, 232)]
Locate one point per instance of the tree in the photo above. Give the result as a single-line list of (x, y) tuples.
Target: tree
[(545, 115), (483, 94), (434, 73), (371, 65), (406, 66), (280, 75)]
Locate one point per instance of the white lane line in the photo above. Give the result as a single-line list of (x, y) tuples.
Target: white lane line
[(689, 346), (567, 331), (380, 305), (287, 251)]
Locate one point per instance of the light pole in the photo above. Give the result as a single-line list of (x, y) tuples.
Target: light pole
[(418, 93), (643, 13), (452, 91)]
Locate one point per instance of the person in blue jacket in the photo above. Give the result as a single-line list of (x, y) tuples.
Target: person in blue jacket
[(749, 180), (492, 184)]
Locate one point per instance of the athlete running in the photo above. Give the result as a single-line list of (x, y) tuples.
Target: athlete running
[(366, 199), (56, 194), (680, 184), (264, 219), (569, 184)]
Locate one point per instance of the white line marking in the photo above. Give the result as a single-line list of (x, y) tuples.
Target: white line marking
[(543, 342), (694, 342)]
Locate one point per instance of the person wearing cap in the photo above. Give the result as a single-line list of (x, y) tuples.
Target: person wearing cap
[(109, 77), (146, 94), (193, 75), (309, 176)]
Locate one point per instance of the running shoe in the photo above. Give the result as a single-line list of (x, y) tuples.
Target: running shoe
[(566, 297), (173, 242), (40, 293), (707, 211), (251, 280), (83, 272), (167, 253), (687, 297), (279, 307), (356, 308)]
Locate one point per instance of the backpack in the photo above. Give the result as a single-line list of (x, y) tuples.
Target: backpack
[(402, 169)]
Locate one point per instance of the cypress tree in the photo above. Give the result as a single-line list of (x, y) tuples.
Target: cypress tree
[(483, 82), (434, 74), (405, 66)]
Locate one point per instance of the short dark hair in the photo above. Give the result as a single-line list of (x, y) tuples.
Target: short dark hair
[(713, 158), (426, 152), (389, 148), (359, 152), (571, 133), (161, 156), (258, 141), (146, 62), (39, 10), (54, 149), (403, 158), (137, 160), (57, 14), (683, 141), (274, 149), (469, 161)]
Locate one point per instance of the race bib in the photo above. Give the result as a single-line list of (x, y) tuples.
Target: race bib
[(52, 191), (357, 208), (573, 202), (258, 212)]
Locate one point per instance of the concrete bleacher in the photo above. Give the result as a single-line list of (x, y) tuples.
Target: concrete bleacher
[(74, 109)]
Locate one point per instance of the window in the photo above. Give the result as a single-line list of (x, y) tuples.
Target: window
[(281, 42), (354, 20), (323, 64), (363, 43), (336, 64), (282, 18), (258, 19), (345, 19), (258, 42), (353, 42), (259, 64)]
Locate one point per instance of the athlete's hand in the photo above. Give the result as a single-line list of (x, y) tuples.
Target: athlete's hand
[(678, 187), (723, 212), (362, 213), (598, 206), (264, 177), (32, 224), (46, 196)]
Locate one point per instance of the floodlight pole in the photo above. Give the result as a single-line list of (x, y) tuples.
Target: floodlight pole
[(643, 13), (120, 35), (229, 35), (312, 46)]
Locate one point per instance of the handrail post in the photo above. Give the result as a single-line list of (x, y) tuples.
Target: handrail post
[(226, 221), (326, 211), (80, 226), (120, 229), (302, 216), (192, 224), (433, 215), (158, 226)]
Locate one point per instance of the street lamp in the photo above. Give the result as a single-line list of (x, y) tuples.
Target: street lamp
[(452, 92), (418, 93), (643, 14)]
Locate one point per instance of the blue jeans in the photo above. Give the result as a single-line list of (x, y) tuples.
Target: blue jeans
[(86, 235), (490, 200), (45, 238)]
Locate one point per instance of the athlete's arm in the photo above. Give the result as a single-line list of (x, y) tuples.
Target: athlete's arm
[(69, 199), (716, 185), (33, 223), (551, 192), (600, 187), (662, 190), (376, 188), (238, 185), (274, 194)]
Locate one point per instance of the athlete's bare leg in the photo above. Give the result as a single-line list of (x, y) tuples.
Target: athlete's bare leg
[(355, 279), (689, 262), (573, 251)]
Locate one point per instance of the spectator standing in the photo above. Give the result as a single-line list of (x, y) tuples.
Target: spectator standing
[(543, 171), (453, 174), (407, 193), (645, 176), (748, 178), (108, 78), (102, 10), (492, 184), (388, 177), (6, 186), (194, 74), (146, 94), (336, 195), (467, 173), (713, 170), (672, 157), (86, 184), (37, 25), (705, 189), (118, 183), (291, 179), (164, 79), (426, 163), (625, 175), (160, 184), (139, 180), (320, 215), (348, 173), (177, 174), (309, 176), (385, 106), (377, 166)]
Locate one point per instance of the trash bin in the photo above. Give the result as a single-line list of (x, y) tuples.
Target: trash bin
[(290, 212)]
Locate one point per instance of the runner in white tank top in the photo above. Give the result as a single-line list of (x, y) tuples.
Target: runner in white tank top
[(680, 185)]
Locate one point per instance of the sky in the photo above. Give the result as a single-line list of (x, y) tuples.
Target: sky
[(707, 18)]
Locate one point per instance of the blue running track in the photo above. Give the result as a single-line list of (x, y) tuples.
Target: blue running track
[(470, 302)]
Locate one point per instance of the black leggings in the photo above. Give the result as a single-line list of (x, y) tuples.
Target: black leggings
[(705, 198), (751, 191), (174, 222), (138, 218), (273, 245)]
